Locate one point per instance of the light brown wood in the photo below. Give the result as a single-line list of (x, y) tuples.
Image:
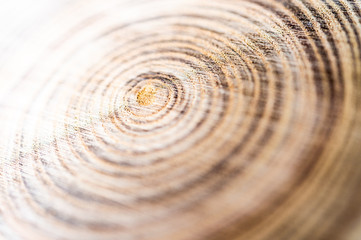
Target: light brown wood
[(180, 120)]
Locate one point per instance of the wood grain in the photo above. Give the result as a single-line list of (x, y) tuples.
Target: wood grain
[(180, 119)]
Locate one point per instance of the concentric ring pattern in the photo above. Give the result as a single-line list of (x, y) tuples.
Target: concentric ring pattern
[(181, 120)]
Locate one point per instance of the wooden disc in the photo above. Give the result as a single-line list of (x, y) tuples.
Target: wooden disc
[(180, 120)]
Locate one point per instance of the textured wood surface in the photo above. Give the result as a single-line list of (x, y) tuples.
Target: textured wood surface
[(180, 120)]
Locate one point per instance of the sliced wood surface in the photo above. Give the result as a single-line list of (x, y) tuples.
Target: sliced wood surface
[(180, 119)]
